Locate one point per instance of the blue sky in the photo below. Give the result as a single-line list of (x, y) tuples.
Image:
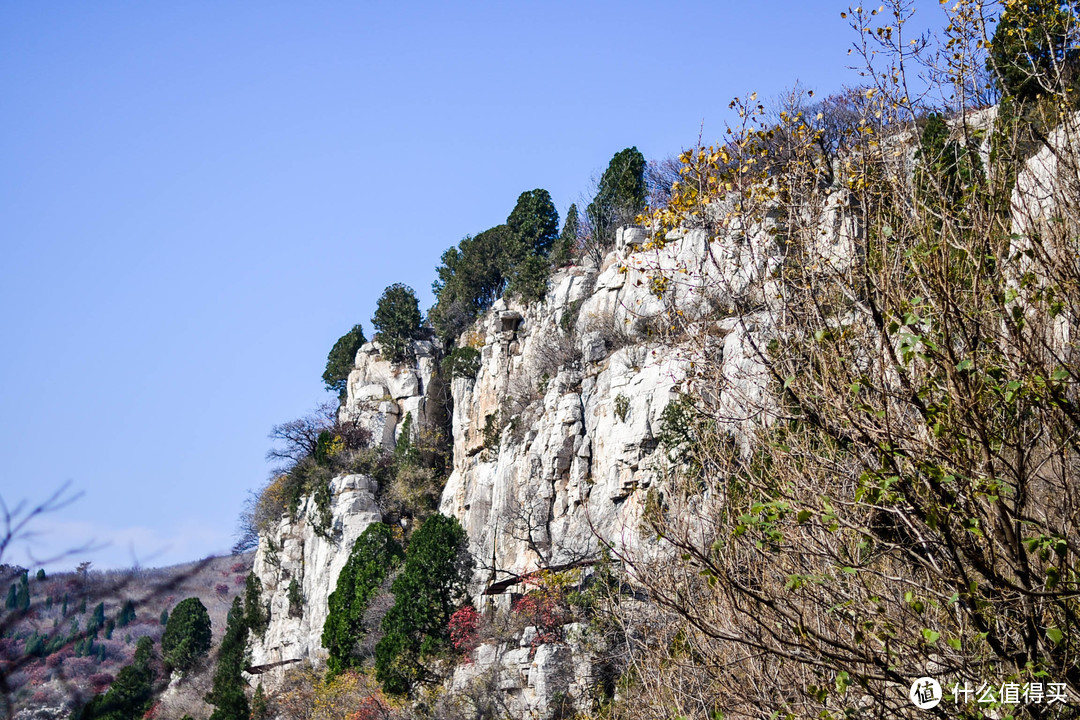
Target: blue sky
[(197, 199)]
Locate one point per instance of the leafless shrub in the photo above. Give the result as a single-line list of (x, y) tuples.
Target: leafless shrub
[(908, 500), (558, 351)]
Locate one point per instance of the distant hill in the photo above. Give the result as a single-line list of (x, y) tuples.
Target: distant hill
[(53, 658)]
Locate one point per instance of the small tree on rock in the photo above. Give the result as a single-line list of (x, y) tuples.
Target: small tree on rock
[(620, 197), (566, 246), (397, 320), (342, 359)]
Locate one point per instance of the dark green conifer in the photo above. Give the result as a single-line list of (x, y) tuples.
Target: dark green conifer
[(374, 554), (429, 589), (621, 194), (127, 614), (227, 695), (257, 617), (342, 359), (566, 246), (397, 321), (187, 635)]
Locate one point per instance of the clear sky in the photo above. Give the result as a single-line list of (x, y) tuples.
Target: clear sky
[(197, 199)]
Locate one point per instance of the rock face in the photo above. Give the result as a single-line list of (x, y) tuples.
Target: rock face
[(556, 442), (527, 679), (295, 551), (557, 439), (382, 393)]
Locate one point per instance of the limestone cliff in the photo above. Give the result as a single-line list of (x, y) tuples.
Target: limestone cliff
[(556, 440)]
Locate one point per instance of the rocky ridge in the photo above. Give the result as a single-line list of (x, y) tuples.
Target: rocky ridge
[(556, 440)]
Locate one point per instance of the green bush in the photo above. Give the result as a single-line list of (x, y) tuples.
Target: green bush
[(430, 588), (461, 362), (187, 635), (342, 359), (397, 321), (296, 599), (374, 555), (131, 692)]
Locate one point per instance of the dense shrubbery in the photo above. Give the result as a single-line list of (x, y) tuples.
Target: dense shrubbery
[(429, 589), (374, 555), (461, 362)]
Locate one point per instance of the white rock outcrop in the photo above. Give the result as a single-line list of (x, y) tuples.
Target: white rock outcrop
[(296, 551)]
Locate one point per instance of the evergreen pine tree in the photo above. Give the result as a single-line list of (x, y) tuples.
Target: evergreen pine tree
[(131, 692), (22, 595), (12, 598), (127, 614), (429, 589), (227, 695), (566, 246), (534, 221), (187, 635), (1033, 43), (374, 554), (255, 613), (621, 194), (260, 707), (342, 359), (164, 616), (97, 619), (397, 321)]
